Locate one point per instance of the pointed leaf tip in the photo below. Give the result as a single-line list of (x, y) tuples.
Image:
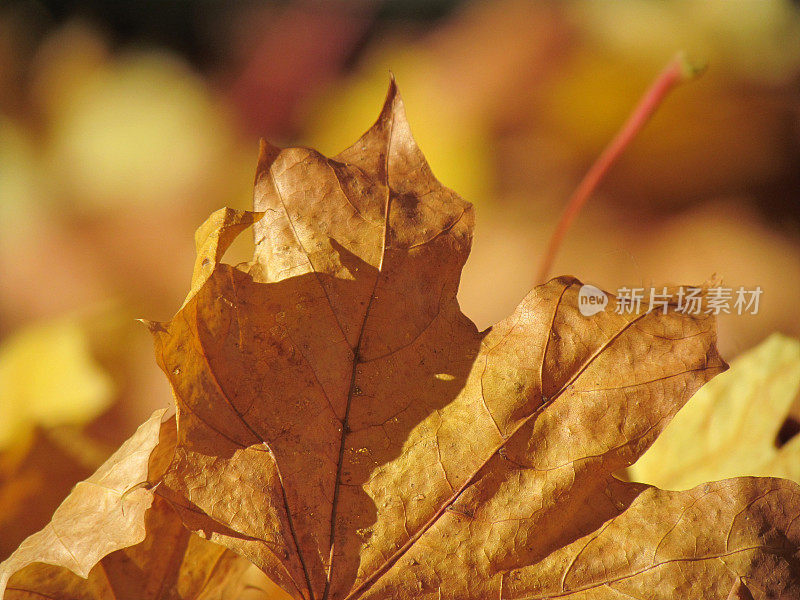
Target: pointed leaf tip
[(393, 104), (740, 591), (153, 326), (266, 156)]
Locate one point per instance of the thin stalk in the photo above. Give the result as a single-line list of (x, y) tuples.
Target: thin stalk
[(677, 71)]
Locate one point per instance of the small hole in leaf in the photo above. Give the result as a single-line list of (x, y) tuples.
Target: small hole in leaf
[(241, 249), (789, 429)]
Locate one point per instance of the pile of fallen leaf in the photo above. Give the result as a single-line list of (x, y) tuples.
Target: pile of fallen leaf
[(344, 429)]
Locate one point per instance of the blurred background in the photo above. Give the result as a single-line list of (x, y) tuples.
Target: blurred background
[(124, 124)]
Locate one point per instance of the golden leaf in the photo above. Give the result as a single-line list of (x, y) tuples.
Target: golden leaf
[(345, 427), (730, 427), (104, 513), (342, 425), (48, 377), (170, 563)]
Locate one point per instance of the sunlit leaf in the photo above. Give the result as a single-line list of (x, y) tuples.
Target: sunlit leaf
[(730, 427)]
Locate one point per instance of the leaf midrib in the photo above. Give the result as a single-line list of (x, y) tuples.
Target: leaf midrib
[(354, 372), (389, 563)]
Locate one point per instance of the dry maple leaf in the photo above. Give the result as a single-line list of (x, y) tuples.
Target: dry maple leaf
[(171, 563), (102, 514), (345, 427), (731, 426), (112, 539)]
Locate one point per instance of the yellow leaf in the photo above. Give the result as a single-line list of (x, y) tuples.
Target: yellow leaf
[(48, 377), (729, 428)]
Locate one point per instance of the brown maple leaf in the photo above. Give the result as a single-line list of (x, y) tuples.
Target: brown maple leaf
[(102, 514), (171, 563), (342, 425), (345, 427), (113, 539)]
